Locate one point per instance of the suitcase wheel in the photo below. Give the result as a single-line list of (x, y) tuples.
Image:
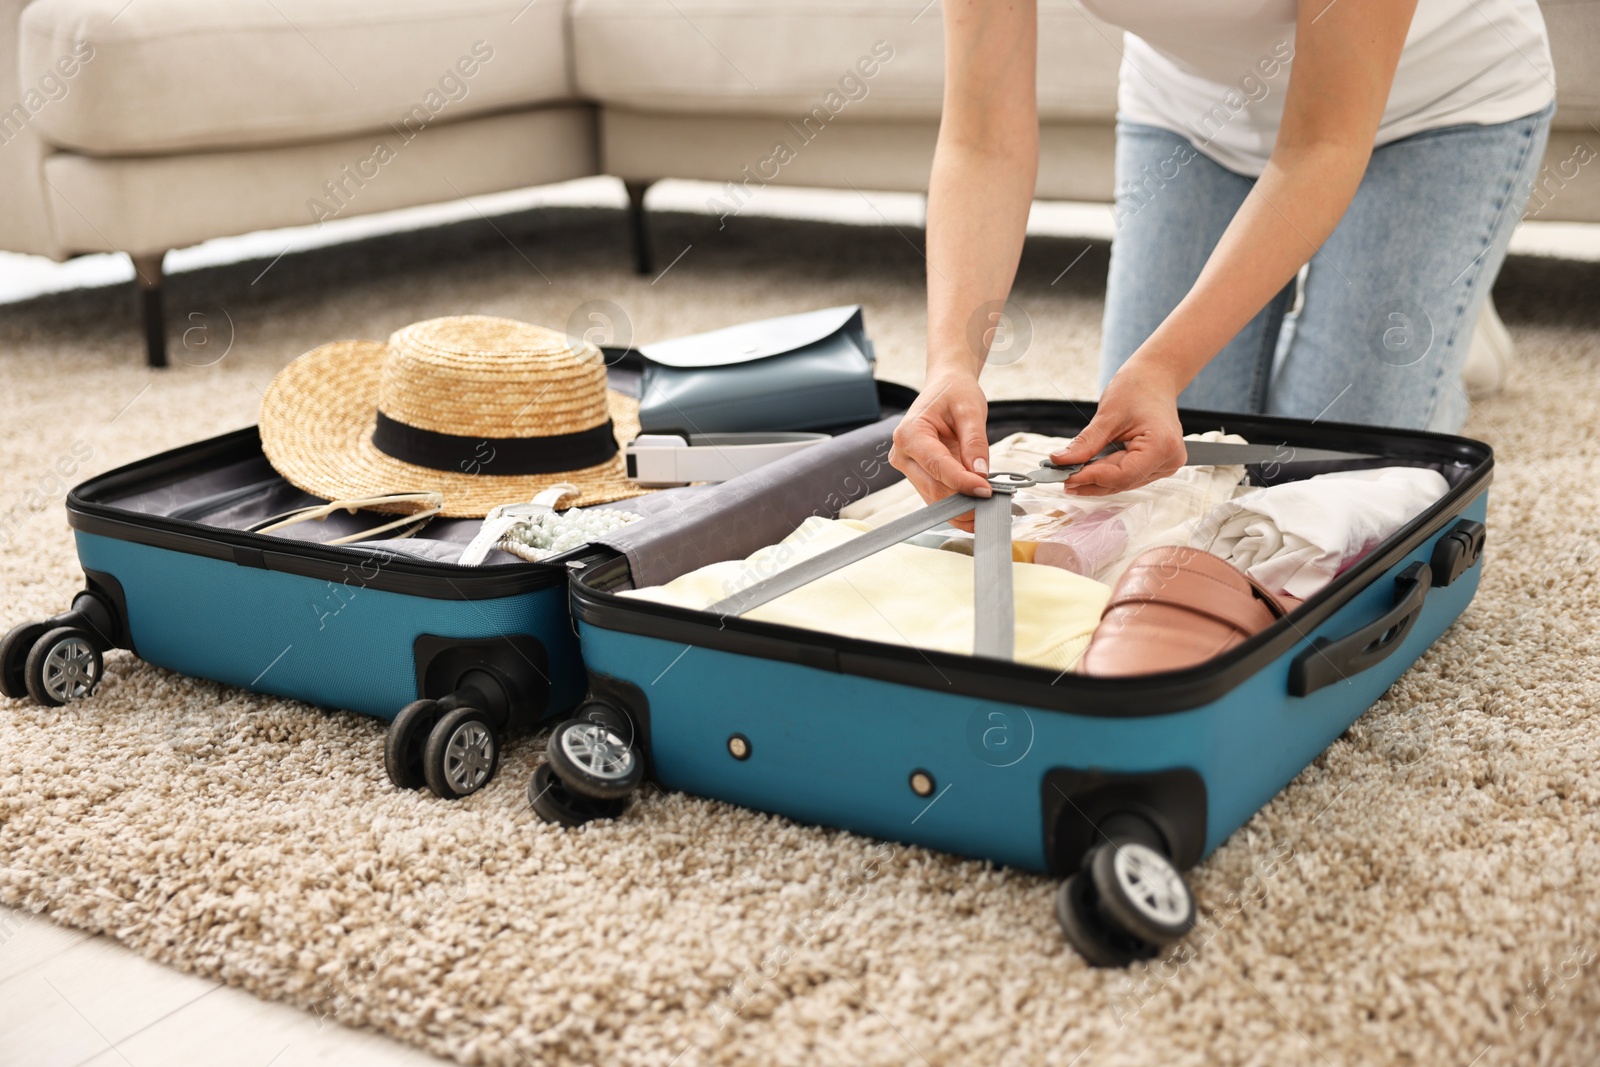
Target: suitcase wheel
[(14, 649), (1097, 941), (406, 742), (1126, 902), (553, 802), (593, 756), (462, 753), (62, 665), (1141, 891), (69, 649), (602, 712)]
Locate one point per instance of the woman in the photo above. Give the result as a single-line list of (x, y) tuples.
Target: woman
[(1391, 144)]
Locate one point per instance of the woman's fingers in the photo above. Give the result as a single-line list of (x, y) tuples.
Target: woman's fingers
[(926, 487), (933, 491), (947, 470), (1114, 474), (1088, 444), (919, 445), (941, 444), (1141, 463), (1102, 476), (975, 447)]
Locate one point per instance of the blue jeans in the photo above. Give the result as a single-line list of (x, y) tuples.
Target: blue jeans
[(1388, 303)]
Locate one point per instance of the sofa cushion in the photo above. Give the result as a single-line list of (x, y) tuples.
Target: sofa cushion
[(783, 57), (860, 59), (736, 153), (142, 204), (156, 76)]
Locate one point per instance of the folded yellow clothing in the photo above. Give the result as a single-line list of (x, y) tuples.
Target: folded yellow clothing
[(904, 595)]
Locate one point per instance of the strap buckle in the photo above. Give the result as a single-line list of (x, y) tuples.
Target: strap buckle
[(661, 460)]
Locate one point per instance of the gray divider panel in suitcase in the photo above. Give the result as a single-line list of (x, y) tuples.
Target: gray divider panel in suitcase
[(733, 519)]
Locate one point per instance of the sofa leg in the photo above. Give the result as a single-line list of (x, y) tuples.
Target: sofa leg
[(643, 260), (147, 279)]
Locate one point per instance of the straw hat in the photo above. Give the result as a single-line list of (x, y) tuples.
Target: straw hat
[(485, 410)]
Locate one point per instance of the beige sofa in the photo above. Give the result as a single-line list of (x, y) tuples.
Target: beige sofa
[(138, 126)]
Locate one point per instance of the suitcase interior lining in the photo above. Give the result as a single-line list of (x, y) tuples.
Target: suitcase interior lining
[(238, 495)]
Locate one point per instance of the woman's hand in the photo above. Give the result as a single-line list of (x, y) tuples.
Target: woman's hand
[(941, 444), (1139, 408)]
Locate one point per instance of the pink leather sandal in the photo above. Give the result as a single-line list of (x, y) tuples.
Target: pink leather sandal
[(1175, 607)]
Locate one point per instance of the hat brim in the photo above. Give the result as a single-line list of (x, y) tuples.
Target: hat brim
[(317, 421)]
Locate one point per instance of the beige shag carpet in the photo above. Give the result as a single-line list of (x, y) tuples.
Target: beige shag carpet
[(1425, 893)]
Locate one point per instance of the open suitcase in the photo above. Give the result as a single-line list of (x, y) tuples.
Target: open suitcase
[(1131, 779)]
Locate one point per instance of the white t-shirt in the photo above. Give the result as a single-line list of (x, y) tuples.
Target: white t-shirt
[(1217, 72)]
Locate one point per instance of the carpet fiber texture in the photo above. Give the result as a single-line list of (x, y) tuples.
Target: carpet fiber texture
[(1424, 893)]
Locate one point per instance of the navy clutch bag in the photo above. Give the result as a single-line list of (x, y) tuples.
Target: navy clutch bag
[(799, 372)]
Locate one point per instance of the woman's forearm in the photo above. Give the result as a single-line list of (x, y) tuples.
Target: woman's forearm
[(1294, 206), (1344, 65), (978, 201), (983, 175)]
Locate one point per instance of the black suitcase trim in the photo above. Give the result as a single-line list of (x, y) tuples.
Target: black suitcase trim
[(1155, 694), (88, 512)]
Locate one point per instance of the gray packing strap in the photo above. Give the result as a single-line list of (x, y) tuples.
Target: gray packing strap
[(857, 548), (994, 604), (995, 613)]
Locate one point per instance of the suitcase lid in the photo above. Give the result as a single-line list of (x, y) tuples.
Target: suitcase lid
[(198, 499)]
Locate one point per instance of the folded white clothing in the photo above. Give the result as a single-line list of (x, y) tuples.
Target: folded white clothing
[(1165, 512), (1296, 537)]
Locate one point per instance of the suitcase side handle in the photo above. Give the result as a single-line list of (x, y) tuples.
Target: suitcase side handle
[(1331, 660)]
